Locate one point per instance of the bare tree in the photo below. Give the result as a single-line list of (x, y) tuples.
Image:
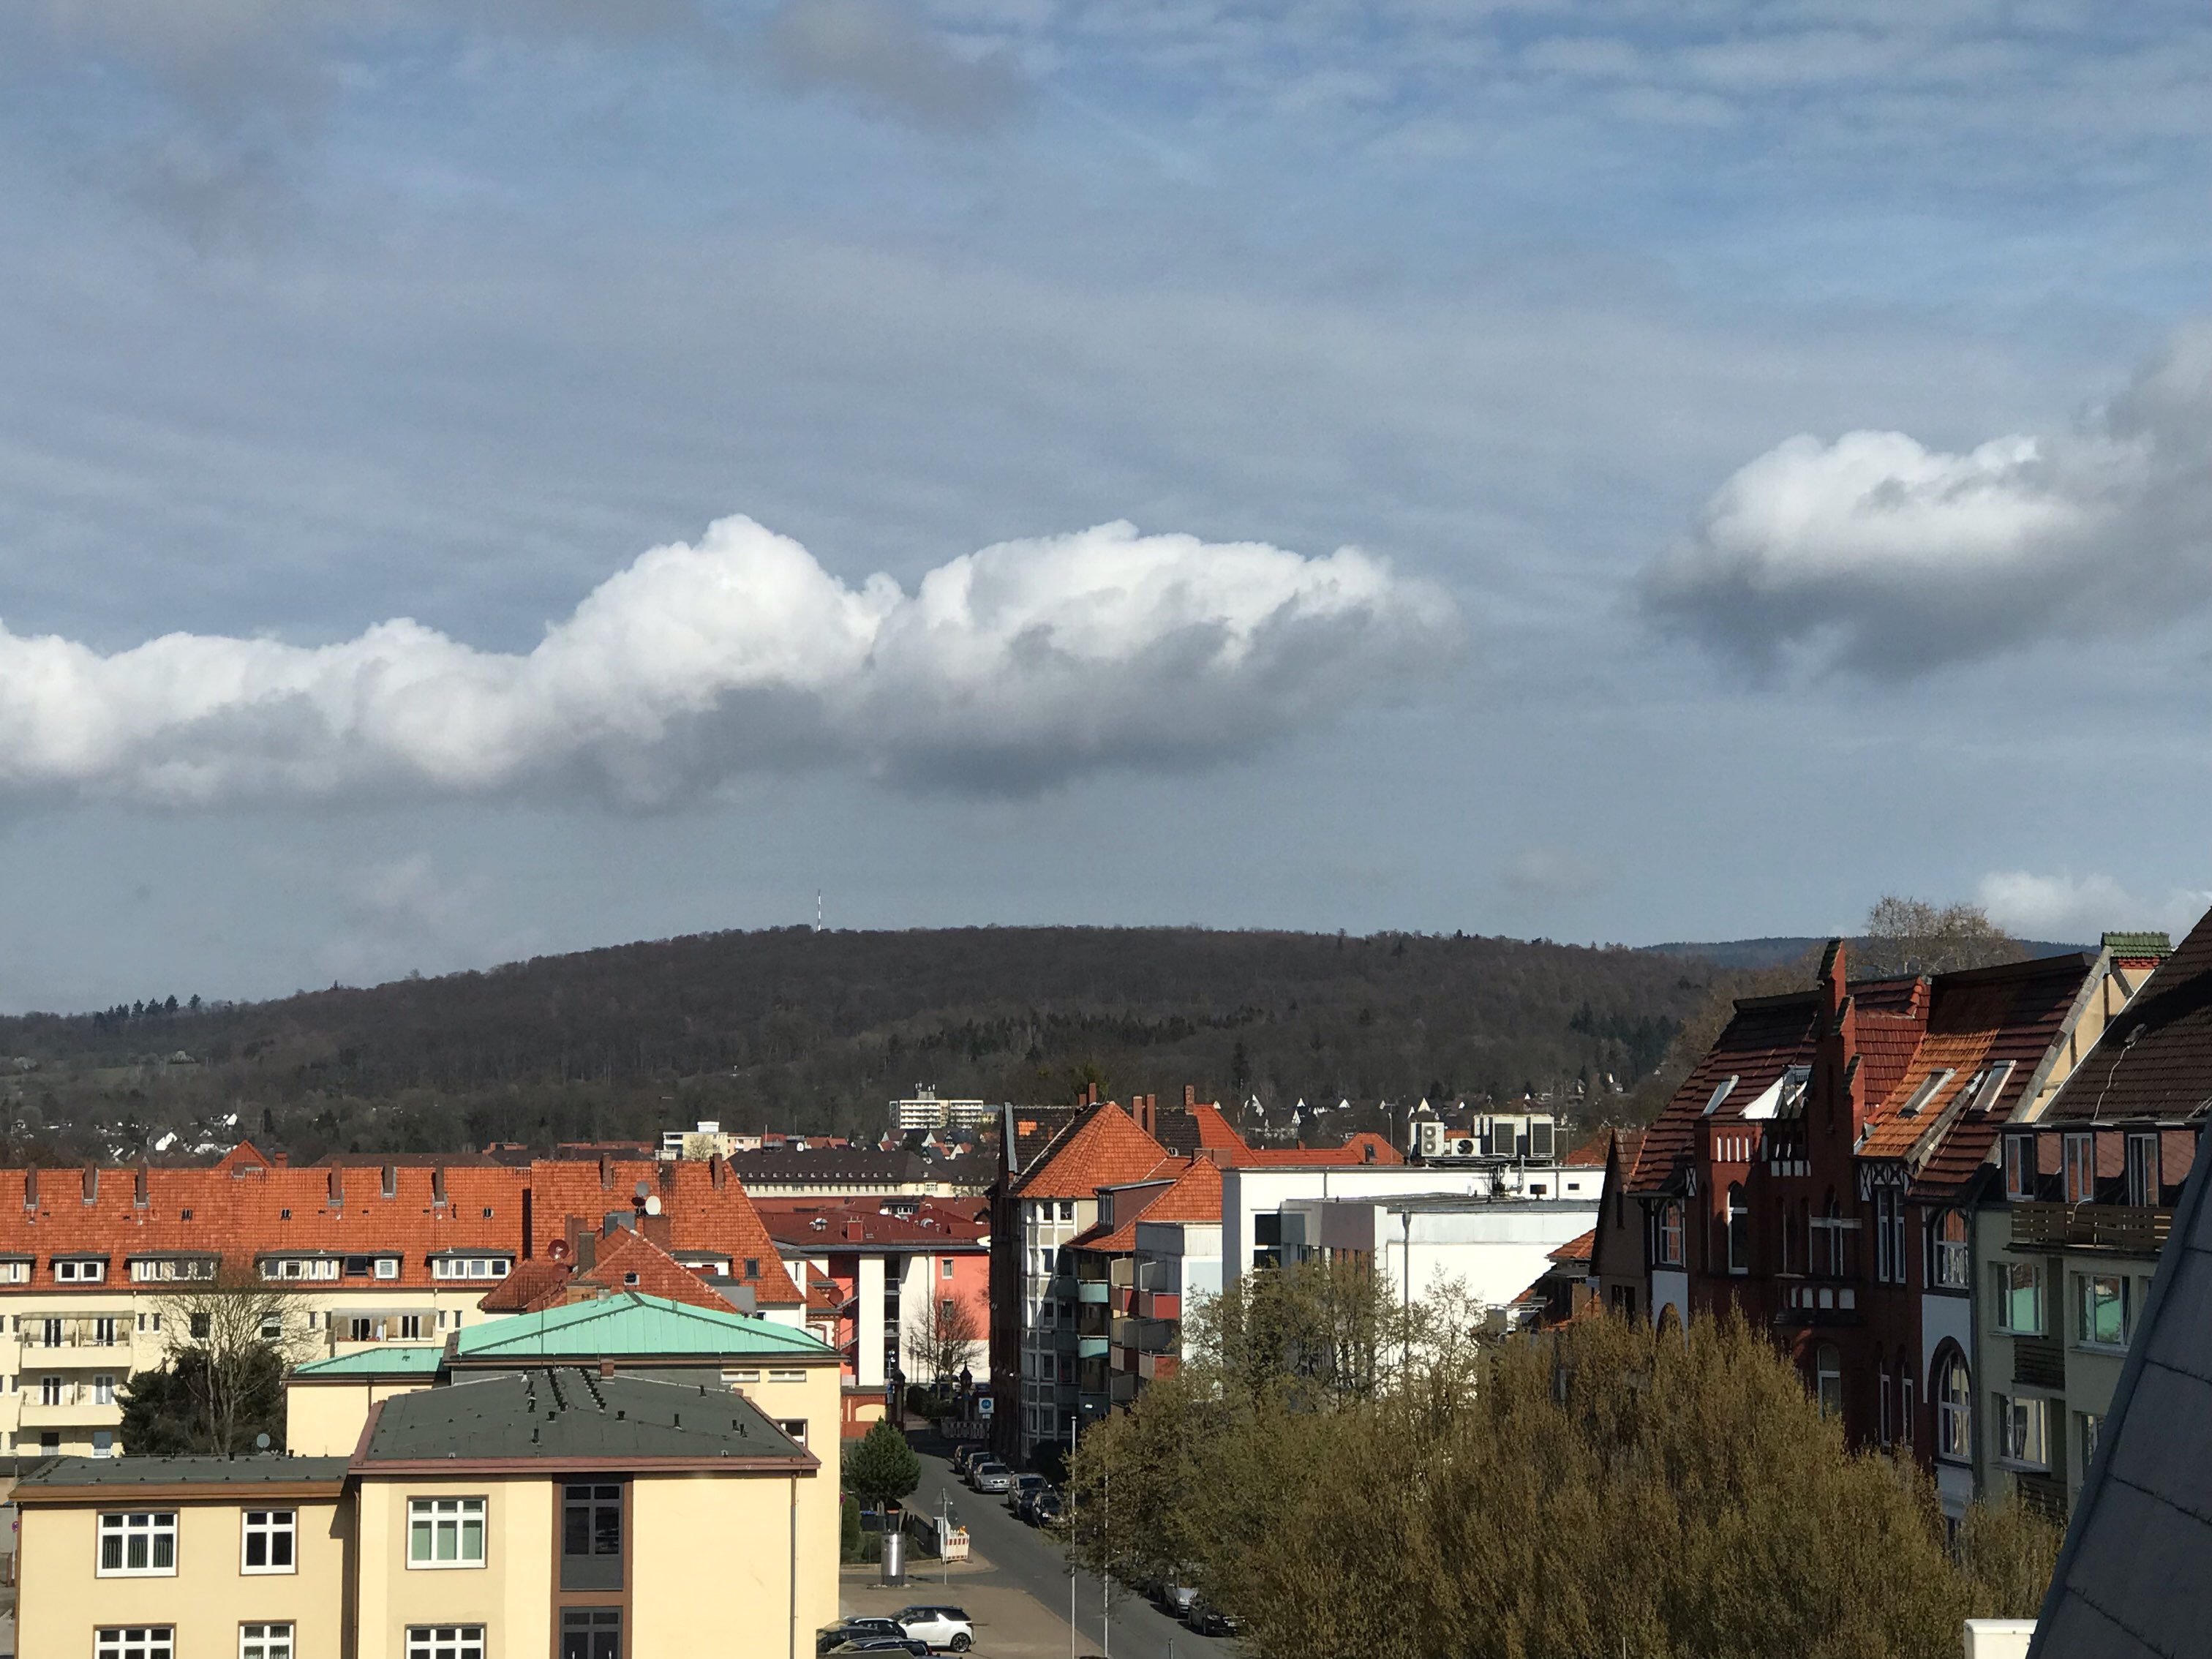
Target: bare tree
[(945, 1339), (1911, 936), (228, 1341)]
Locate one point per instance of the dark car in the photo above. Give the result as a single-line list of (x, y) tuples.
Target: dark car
[(830, 1638), (1025, 1488), (1044, 1510), (884, 1644), (1209, 1620)]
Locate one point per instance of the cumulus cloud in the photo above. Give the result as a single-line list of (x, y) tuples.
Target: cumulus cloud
[(2079, 909), (1876, 554), (1010, 669), (874, 51)]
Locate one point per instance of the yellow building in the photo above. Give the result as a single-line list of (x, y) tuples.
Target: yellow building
[(554, 1510)]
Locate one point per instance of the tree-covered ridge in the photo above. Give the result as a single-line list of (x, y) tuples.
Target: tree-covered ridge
[(794, 1029)]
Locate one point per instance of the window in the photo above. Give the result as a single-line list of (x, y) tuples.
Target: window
[(1885, 1393), (1739, 1232), (787, 1376), (2142, 1171), (387, 1266), (138, 1544), (2019, 1166), (1927, 1090), (444, 1532), (103, 1442), (272, 1327), (49, 1391), (300, 1267), (1721, 1092), (267, 1547), (15, 1273), (1952, 1262), (944, 1267), (794, 1426), (591, 1633), (1828, 1380), (2089, 1425), (1954, 1408), (264, 1641), (103, 1389), (2021, 1432), (1670, 1235), (1067, 1209), (134, 1642), (752, 1266), (469, 1266), (1904, 1404), (2017, 1288), (79, 1272), (444, 1641), (2080, 1168), (2102, 1319), (162, 1271), (591, 1537), (200, 1324), (1889, 1236)]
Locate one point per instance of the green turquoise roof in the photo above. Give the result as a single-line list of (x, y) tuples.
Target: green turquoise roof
[(377, 1362), (631, 1324)]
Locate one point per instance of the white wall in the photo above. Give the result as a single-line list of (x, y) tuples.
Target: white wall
[(1493, 1250)]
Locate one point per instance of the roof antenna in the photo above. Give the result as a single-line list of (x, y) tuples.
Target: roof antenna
[(818, 909)]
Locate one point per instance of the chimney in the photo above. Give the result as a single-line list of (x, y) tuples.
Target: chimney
[(92, 1183), (606, 1172), (1189, 1095), (658, 1229), (529, 1238), (337, 1186), (282, 1160), (716, 1170), (853, 1229), (1146, 1121), (606, 1368), (438, 1184), (31, 1186), (139, 1195)]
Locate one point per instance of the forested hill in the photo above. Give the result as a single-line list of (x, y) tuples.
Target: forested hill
[(796, 1028)]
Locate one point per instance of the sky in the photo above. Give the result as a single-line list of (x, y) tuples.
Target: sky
[(485, 479)]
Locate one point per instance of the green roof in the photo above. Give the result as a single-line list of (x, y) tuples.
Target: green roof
[(410, 1361), (631, 1324), (2139, 944), (570, 1414)]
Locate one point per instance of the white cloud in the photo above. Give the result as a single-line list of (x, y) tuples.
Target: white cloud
[(877, 52), (1876, 554), (2073, 909), (1012, 668)]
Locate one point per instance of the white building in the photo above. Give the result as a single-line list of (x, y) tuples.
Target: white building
[(924, 1110)]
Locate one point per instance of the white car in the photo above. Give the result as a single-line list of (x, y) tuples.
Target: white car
[(941, 1627)]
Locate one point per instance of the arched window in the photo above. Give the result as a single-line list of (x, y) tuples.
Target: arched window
[(1828, 1379), (1906, 1430), (1950, 1268), (1739, 1231), (1670, 1234), (1670, 1321), (1955, 1407)]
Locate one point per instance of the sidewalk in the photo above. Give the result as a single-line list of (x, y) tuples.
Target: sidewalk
[(1009, 1622)]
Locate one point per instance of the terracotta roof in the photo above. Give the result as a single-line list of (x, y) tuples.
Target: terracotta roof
[(1591, 1152), (1577, 1250), (1215, 1132), (1193, 1196), (1131, 1205), (1364, 1147), (533, 1284), (708, 1211), (1764, 1038), (1101, 1147), (2166, 1072), (860, 1222)]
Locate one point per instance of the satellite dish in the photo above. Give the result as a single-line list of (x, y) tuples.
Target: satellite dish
[(652, 1205), (261, 1442), (640, 1190)]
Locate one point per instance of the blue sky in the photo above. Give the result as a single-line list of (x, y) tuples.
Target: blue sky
[(1777, 442)]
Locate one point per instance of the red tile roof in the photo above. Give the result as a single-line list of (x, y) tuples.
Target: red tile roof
[(1364, 1147), (1764, 1038), (1102, 1147), (861, 1222), (1577, 1250)]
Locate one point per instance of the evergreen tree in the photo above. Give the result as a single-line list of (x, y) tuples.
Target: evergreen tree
[(882, 1469)]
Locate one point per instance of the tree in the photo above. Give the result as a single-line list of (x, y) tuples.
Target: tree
[(882, 1469), (228, 1343), (1911, 936), (1598, 1490), (164, 1413), (943, 1338)]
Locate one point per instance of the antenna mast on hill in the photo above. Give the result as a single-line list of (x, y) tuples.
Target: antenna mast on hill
[(818, 909)]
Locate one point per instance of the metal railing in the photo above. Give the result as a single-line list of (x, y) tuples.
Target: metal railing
[(2137, 1230)]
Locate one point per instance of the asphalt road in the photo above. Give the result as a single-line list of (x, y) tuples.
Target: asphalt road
[(1133, 1627)]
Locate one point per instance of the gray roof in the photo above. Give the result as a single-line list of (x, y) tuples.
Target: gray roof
[(569, 1412), (125, 1472), (2138, 1552)]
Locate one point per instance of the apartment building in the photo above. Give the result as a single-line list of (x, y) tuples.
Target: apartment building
[(553, 1509), (924, 1111), (898, 1270), (1819, 1170), (2067, 1243), (98, 1265)]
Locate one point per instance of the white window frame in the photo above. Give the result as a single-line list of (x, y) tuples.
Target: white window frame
[(2019, 1167), (444, 1642), (2023, 1431), (2143, 1172), (52, 1390), (1950, 1260), (268, 1525), (15, 1273), (134, 1642), (387, 1267), (438, 1515), (2083, 1299), (265, 1640), (2003, 1289), (118, 1525), (79, 1272), (103, 1389), (1954, 1410), (2080, 1148), (1666, 1251)]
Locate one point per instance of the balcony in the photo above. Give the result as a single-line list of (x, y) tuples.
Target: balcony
[(75, 1408), (1822, 1301), (1159, 1304), (47, 1337), (1092, 1347), (1093, 1290), (2039, 1361), (2127, 1228)]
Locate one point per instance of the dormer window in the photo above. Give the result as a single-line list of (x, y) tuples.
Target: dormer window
[(285, 1268), (469, 1266), (79, 1270), (1721, 1092)]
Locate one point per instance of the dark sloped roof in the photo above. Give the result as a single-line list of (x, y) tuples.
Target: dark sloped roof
[(2155, 1058), (568, 1412), (2138, 1552), (1766, 1037)]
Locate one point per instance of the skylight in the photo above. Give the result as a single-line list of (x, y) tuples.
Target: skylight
[(1927, 1092), (1720, 1093), (1783, 1097)]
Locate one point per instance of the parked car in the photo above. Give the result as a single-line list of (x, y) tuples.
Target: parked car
[(940, 1626), (1174, 1600), (964, 1454), (1209, 1620), (860, 1629), (1025, 1486), (991, 1476), (1044, 1508), (909, 1645)]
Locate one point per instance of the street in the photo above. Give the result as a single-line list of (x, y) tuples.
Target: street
[(1030, 1561)]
